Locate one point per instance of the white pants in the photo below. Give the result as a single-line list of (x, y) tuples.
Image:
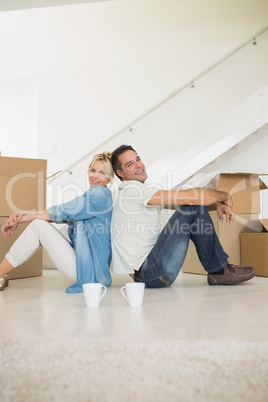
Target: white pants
[(39, 233)]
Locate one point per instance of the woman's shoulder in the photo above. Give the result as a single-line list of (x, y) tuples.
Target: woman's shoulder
[(98, 191)]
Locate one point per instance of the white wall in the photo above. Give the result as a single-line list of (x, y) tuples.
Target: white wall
[(18, 116), (100, 66), (24, 4)]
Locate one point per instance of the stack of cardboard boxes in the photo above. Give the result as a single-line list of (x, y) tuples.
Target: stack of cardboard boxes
[(245, 191), (22, 187)]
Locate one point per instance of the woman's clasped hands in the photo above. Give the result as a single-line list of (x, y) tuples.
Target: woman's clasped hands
[(11, 224)]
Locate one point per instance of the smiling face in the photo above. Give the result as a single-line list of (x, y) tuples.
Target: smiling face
[(97, 174), (132, 168)]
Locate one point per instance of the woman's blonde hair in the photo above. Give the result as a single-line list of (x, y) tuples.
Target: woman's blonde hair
[(105, 157)]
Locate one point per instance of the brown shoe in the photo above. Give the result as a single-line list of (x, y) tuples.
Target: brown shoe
[(232, 275), (3, 283)]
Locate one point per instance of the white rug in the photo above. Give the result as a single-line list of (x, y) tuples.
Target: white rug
[(119, 370)]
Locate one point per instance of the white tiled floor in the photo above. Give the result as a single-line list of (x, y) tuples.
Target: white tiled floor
[(190, 309)]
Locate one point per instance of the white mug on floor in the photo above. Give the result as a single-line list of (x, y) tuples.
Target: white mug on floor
[(135, 292), (93, 293)]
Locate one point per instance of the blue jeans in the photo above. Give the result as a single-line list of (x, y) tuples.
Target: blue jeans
[(163, 264)]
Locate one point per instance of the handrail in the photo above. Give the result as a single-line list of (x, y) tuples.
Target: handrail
[(168, 98)]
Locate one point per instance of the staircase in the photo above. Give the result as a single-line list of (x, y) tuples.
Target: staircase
[(197, 124)]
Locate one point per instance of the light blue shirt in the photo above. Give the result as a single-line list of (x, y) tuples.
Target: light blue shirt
[(89, 221)]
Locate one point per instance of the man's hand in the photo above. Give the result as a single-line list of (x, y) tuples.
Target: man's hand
[(223, 209)]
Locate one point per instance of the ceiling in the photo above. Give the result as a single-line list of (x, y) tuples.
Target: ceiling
[(9, 5)]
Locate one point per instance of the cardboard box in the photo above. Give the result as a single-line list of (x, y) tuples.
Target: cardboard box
[(22, 187), (228, 235), (254, 249), (244, 189), (22, 184)]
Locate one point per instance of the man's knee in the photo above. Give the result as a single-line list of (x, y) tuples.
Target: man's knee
[(190, 208)]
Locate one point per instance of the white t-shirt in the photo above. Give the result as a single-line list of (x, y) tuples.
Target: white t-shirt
[(135, 226)]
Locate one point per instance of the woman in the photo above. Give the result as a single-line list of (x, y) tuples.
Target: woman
[(87, 256)]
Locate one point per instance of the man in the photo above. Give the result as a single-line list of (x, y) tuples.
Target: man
[(155, 257)]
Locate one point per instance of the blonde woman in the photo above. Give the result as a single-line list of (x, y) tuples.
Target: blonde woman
[(86, 256)]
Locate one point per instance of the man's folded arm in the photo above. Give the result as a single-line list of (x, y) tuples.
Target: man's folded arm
[(194, 196)]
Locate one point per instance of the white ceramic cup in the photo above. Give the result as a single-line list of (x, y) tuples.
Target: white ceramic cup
[(134, 293), (93, 293)]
